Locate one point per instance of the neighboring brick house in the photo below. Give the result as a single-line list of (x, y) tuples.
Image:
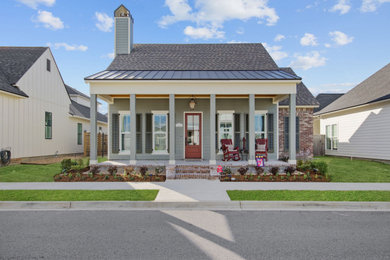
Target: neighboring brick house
[(306, 103)]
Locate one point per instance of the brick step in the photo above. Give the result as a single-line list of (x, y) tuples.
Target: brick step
[(194, 176), (192, 169)]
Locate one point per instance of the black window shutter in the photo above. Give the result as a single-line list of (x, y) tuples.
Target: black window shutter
[(237, 141), (168, 131), (270, 131), (297, 133), (149, 133), (139, 133), (115, 133), (217, 145)]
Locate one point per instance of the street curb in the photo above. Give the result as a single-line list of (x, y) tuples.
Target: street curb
[(205, 205)]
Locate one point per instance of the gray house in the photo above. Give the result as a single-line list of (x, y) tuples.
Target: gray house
[(174, 102)]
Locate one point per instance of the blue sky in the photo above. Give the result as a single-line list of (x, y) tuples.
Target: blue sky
[(331, 44)]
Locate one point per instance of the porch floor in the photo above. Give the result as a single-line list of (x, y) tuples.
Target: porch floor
[(273, 163)]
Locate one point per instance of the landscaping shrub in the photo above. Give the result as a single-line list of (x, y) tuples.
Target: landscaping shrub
[(226, 170), (112, 169), (159, 170), (129, 170), (290, 170), (80, 163), (274, 170), (143, 170), (259, 170), (320, 166), (243, 170), (66, 164), (94, 169), (284, 158), (304, 166)]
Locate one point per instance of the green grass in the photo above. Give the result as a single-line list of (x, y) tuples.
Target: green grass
[(309, 195), (77, 195), (347, 170), (32, 173)]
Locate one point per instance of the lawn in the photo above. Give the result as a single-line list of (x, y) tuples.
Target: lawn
[(32, 173), (309, 195), (77, 195), (347, 170)]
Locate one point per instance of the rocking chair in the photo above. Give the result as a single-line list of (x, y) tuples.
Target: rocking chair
[(262, 148), (230, 153)]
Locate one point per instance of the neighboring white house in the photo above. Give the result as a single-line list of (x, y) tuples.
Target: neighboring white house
[(358, 123), (38, 117)]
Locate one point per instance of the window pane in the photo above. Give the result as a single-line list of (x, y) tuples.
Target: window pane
[(160, 142), (328, 138), (125, 142), (196, 123), (163, 120), (126, 123)]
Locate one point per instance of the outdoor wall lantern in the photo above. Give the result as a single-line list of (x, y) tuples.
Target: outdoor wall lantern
[(192, 103)]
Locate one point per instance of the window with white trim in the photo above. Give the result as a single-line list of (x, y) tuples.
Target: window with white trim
[(124, 131), (160, 132), (332, 137), (260, 124), (225, 126)]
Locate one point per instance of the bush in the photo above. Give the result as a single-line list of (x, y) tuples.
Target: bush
[(290, 170), (159, 170), (226, 170), (129, 170), (284, 158), (274, 170), (80, 163), (112, 169), (320, 166), (143, 170), (66, 165), (243, 170), (304, 166), (94, 169), (259, 170)]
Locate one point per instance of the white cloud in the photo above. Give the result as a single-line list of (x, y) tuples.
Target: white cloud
[(372, 5), (203, 33), (309, 40), (340, 38), (332, 88), (49, 21), (342, 6), (105, 22), (213, 14), (328, 45), (68, 47), (110, 55), (279, 37), (34, 3), (275, 51), (234, 41), (240, 30), (309, 60)]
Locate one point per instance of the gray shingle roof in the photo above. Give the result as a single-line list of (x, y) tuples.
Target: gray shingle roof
[(325, 99), (241, 56), (304, 96), (79, 110), (73, 91), (374, 88), (14, 63)]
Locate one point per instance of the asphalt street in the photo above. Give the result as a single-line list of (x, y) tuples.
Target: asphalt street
[(194, 235)]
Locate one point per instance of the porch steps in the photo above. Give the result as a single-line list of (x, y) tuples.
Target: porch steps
[(193, 172)]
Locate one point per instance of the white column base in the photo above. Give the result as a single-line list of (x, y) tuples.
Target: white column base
[(133, 162), (92, 162), (252, 162), (172, 162), (213, 162), (292, 161)]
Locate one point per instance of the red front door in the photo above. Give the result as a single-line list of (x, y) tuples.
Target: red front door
[(193, 135)]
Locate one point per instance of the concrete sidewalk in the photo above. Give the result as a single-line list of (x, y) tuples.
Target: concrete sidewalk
[(192, 190)]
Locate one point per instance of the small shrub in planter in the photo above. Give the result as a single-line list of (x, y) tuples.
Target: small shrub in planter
[(305, 177), (70, 176), (94, 169), (288, 175), (66, 164), (83, 178), (159, 170), (90, 175), (282, 177), (243, 170), (226, 170), (129, 170), (270, 178), (284, 158), (290, 170), (320, 166), (258, 177), (106, 177), (143, 170), (78, 175), (80, 162), (274, 170), (259, 170), (112, 169), (295, 178)]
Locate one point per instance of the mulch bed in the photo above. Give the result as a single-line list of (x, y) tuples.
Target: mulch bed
[(272, 178), (109, 178)]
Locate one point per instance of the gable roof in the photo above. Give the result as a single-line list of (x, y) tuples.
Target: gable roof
[(73, 91), (76, 109), (304, 96), (375, 88), (179, 57), (325, 99), (14, 63)]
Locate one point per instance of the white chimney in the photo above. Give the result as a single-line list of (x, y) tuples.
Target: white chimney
[(123, 30)]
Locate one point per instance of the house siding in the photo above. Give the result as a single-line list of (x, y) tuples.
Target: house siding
[(22, 120), (144, 106), (305, 132), (363, 132)]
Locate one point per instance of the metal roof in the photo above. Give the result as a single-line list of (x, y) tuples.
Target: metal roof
[(192, 75)]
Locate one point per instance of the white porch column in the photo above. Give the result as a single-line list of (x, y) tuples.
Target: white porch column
[(292, 129), (133, 130), (93, 136), (212, 129), (251, 141), (172, 129)]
